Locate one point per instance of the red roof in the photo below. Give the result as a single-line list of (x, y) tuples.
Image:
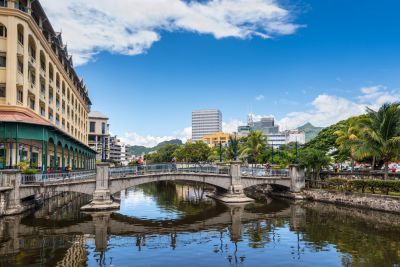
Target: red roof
[(16, 116)]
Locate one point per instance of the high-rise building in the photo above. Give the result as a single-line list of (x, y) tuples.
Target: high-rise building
[(44, 105), (206, 121), (115, 150), (99, 135)]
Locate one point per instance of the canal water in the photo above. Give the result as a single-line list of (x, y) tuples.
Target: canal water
[(167, 224)]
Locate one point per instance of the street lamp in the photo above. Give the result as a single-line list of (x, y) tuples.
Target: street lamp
[(220, 151), (235, 149)]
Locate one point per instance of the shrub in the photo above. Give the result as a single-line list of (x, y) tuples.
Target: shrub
[(29, 171)]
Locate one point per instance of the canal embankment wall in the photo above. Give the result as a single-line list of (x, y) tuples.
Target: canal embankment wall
[(351, 199)]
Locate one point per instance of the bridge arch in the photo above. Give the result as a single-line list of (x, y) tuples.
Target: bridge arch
[(119, 184)]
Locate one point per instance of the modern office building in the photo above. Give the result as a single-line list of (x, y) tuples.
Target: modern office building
[(99, 135), (215, 139), (44, 105), (126, 156), (115, 150), (270, 130), (206, 121)]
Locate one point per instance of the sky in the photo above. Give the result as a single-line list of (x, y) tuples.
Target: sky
[(149, 63)]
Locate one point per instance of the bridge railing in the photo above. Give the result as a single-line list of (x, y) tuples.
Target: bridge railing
[(168, 168), (264, 172), (57, 177)]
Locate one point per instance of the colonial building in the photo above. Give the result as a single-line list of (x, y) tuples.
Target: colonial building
[(44, 105), (215, 139)]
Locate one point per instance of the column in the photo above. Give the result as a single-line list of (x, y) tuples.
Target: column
[(298, 179), (102, 194), (12, 178)]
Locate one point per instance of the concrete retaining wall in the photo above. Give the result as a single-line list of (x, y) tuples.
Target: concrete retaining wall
[(360, 200)]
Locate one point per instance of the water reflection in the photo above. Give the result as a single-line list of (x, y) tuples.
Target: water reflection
[(165, 224)]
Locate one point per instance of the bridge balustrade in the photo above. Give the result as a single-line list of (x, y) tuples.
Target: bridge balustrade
[(168, 168), (57, 177), (263, 172)]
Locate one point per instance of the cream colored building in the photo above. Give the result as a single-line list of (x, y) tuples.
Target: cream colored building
[(39, 91), (213, 140), (99, 135)]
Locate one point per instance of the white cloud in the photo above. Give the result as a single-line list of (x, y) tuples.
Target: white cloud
[(328, 109), (134, 138), (232, 126), (260, 97), (130, 27)]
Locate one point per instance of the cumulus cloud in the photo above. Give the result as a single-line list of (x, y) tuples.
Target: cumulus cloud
[(329, 109), (130, 27), (134, 138), (260, 97)]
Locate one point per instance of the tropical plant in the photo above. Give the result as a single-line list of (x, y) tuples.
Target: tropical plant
[(193, 152), (254, 147), (313, 161), (380, 133)]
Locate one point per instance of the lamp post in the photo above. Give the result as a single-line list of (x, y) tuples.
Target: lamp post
[(272, 153), (297, 152), (220, 151), (235, 149)]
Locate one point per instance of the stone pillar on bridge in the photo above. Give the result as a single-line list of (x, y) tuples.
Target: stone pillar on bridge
[(102, 196), (101, 223), (235, 193), (298, 178), (12, 179)]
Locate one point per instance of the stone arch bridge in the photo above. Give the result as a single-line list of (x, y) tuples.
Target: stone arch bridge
[(230, 182)]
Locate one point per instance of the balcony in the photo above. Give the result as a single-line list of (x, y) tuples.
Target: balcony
[(20, 49), (32, 87), (20, 79), (43, 73), (43, 96), (32, 60)]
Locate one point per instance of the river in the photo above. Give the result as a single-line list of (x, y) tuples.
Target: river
[(166, 224)]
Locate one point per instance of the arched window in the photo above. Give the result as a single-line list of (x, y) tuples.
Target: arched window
[(20, 34), (3, 31), (32, 47)]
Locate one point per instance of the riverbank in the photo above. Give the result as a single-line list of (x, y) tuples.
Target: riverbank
[(357, 200)]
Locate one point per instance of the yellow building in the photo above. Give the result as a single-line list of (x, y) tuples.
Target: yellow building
[(44, 105), (213, 140)]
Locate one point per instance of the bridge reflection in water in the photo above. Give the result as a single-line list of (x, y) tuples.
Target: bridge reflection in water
[(64, 236)]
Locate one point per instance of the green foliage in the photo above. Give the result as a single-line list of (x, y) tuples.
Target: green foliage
[(140, 150), (193, 152), (254, 147), (384, 186), (313, 161), (29, 171), (164, 154)]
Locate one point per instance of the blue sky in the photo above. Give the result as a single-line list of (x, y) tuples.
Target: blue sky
[(326, 60)]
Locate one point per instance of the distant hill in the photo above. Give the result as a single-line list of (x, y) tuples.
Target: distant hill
[(310, 131), (140, 150)]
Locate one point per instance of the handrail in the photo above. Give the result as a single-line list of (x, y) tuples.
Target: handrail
[(57, 177)]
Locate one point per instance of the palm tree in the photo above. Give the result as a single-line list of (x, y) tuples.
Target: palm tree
[(254, 147), (381, 134), (348, 139)]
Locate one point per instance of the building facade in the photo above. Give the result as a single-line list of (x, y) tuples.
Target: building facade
[(115, 150), (215, 139), (206, 121), (99, 135), (44, 105)]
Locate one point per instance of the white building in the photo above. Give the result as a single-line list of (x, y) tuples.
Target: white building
[(293, 136), (206, 121), (126, 157)]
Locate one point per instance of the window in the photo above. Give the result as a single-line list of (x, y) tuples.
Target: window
[(92, 126), (3, 31), (3, 3), (2, 90), (20, 95), (2, 60), (103, 128), (42, 112), (21, 37), (20, 67)]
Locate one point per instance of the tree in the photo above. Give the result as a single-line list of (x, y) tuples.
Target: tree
[(348, 139), (164, 154), (193, 152), (313, 161), (254, 147), (381, 134)]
